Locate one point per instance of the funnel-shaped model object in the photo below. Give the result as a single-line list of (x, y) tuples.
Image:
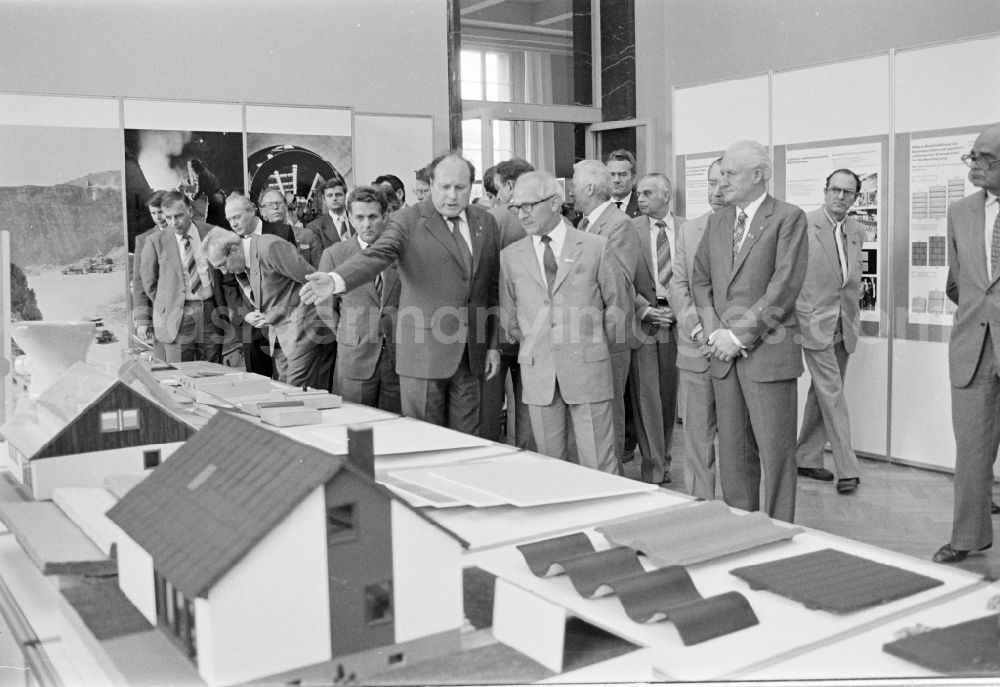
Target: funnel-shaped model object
[(51, 348)]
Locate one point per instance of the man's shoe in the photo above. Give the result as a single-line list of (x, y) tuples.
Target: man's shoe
[(666, 479), (628, 457), (994, 508), (816, 473), (846, 486), (946, 554)]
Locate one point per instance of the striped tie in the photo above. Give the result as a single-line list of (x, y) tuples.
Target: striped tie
[(190, 266), (995, 250), (664, 268), (741, 228)]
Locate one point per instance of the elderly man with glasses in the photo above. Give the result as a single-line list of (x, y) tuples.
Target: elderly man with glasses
[(564, 299)]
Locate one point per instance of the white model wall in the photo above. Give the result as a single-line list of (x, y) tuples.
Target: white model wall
[(277, 596), (136, 576), (426, 577), (91, 469)]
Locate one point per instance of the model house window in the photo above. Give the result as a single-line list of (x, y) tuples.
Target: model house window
[(119, 420), (378, 603), (150, 459), (340, 522)]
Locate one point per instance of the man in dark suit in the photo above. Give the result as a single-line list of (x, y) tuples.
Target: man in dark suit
[(592, 195), (142, 307), (829, 321), (505, 175), (653, 367), (974, 349), (447, 253), (748, 271), (185, 291), (274, 273), (333, 225), (257, 354), (562, 296), (365, 317), (624, 173)]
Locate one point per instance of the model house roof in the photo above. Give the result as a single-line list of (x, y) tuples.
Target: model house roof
[(224, 490), (35, 424)]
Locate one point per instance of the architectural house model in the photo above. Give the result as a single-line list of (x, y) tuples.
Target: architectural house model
[(86, 426), (260, 555)]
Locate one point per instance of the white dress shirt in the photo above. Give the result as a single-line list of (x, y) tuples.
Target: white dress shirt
[(596, 212), (340, 222), (200, 261), (245, 240), (558, 236), (750, 210)]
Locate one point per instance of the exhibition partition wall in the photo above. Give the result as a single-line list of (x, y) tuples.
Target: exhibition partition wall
[(901, 120), (77, 171)]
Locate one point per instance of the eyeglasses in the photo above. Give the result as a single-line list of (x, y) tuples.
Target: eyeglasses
[(973, 161), (835, 191), (527, 207), (273, 205)]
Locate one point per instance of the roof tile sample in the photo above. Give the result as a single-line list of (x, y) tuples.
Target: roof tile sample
[(593, 573), (705, 619), (543, 557), (650, 594), (694, 534), (835, 581), (966, 649)]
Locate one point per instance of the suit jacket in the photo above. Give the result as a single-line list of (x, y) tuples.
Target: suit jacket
[(755, 295), (326, 230), (826, 298), (164, 281), (309, 244), (441, 310), (632, 209), (142, 306), (686, 241), (510, 231), (234, 298), (562, 340), (970, 288), (277, 272), (623, 240), (646, 273), (364, 323)]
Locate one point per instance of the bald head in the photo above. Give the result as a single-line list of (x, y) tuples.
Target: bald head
[(984, 173), (240, 215), (536, 201)]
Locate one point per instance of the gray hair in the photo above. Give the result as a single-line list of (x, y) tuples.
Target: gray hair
[(596, 173), (545, 182), (750, 155), (219, 239)]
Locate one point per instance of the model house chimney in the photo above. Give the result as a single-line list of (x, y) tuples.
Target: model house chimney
[(361, 448)]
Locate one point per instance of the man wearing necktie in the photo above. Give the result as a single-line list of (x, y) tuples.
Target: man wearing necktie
[(653, 366), (748, 271), (624, 173), (365, 318), (974, 350), (183, 288), (447, 255), (562, 298), (592, 194), (333, 225), (828, 311)]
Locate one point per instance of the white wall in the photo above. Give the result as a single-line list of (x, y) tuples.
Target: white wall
[(426, 577), (277, 596), (90, 469), (135, 576), (386, 56)]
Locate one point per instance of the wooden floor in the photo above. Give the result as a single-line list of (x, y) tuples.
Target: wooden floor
[(897, 507)]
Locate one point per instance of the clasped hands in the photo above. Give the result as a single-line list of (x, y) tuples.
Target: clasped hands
[(661, 316), (722, 344)]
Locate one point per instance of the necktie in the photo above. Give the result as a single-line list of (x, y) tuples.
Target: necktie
[(741, 228), (838, 237), (378, 286), (584, 223), (663, 266), (995, 249), (463, 247), (190, 266), (618, 203), (549, 262), (244, 282)]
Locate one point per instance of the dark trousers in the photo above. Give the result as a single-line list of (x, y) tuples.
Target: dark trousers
[(493, 397), (380, 391), (451, 402), (199, 336)]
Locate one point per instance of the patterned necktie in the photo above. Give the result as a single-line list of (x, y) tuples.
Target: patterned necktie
[(838, 237), (190, 266), (663, 266), (549, 262), (995, 250), (378, 286), (584, 223), (463, 247), (741, 228), (244, 282)]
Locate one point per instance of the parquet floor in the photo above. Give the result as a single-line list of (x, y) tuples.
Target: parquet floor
[(897, 507)]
